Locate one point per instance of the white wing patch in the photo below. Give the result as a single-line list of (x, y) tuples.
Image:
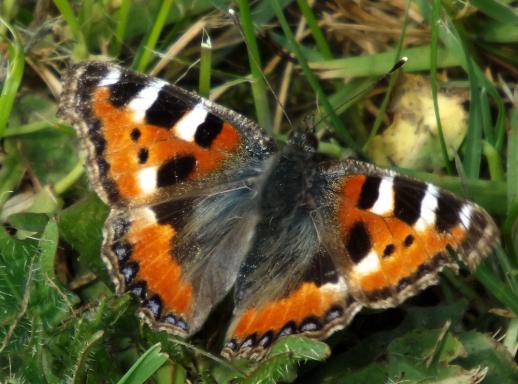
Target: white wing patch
[(369, 264), (465, 215), (111, 78), (385, 202), (145, 99), (144, 215), (428, 207), (147, 179), (186, 127)]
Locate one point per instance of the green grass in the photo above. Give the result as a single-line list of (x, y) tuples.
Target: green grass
[(59, 319)]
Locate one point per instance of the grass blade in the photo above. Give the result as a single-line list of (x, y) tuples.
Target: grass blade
[(13, 77), (316, 32), (67, 13), (433, 74), (259, 92), (120, 30), (379, 63), (205, 66), (497, 288), (392, 82), (497, 10), (312, 80), (512, 159), (152, 39), (145, 366)]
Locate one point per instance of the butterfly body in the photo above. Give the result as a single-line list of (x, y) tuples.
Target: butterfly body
[(204, 205)]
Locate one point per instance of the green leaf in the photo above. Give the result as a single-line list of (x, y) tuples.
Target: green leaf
[(31, 222), (422, 344), (280, 363), (379, 63), (301, 348), (13, 76), (145, 366), (81, 226), (497, 10), (512, 159), (483, 351), (50, 153)]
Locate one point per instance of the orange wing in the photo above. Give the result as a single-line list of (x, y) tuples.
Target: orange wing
[(317, 305), (149, 141), (393, 234), (381, 239), (159, 155)]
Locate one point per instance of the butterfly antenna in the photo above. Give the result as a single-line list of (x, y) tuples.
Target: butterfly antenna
[(235, 20), (369, 87)]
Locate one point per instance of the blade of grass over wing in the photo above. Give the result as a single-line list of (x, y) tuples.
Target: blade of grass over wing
[(120, 29), (13, 76), (316, 32), (205, 66), (433, 74), (148, 46), (259, 92), (312, 80)]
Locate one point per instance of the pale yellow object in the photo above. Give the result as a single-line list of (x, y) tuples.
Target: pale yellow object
[(412, 140)]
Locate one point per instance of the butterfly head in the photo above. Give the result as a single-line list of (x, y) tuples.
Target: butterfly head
[(303, 139)]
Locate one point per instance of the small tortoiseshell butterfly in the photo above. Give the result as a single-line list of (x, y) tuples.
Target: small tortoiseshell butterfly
[(203, 203)]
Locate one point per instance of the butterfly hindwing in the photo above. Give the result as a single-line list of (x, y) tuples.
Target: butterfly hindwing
[(287, 284), (180, 257)]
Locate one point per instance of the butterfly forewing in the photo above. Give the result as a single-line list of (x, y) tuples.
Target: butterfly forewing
[(148, 140), (393, 233)]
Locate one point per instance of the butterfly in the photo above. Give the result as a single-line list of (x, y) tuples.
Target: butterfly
[(205, 205)]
